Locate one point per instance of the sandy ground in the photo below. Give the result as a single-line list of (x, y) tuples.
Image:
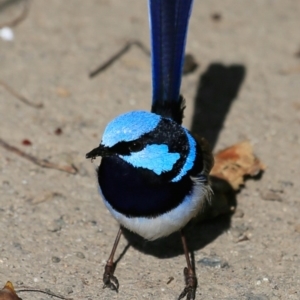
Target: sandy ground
[(54, 230)]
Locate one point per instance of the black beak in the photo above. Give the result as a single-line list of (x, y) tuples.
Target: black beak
[(99, 151)]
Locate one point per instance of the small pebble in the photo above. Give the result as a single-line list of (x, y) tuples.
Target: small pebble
[(213, 262), (26, 142), (58, 131), (239, 213), (190, 64), (243, 238), (7, 34), (55, 259), (54, 227), (256, 297), (239, 230), (69, 290), (286, 183), (80, 255), (297, 228), (270, 196), (216, 17)]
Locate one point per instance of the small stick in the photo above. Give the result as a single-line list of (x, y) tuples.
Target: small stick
[(25, 289), (19, 96), (116, 56), (40, 162), (19, 18), (170, 279), (189, 66)]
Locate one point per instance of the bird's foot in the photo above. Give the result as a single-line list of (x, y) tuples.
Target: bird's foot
[(109, 280), (191, 285)]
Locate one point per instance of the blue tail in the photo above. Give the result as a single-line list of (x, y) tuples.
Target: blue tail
[(168, 26)]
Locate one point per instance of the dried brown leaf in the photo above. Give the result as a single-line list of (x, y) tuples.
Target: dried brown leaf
[(8, 292), (234, 163)]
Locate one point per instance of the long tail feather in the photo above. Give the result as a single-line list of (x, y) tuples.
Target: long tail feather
[(168, 26)]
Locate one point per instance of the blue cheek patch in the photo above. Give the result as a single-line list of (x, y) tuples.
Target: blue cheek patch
[(189, 162), (156, 158), (129, 127)]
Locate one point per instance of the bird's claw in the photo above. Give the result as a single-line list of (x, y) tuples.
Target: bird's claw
[(189, 292), (109, 280), (191, 285)]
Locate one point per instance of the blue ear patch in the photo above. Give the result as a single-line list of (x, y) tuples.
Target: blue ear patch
[(156, 158), (190, 159), (129, 127)]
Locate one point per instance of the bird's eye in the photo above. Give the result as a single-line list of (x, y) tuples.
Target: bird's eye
[(135, 147)]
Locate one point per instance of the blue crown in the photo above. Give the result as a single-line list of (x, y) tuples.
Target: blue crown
[(128, 127)]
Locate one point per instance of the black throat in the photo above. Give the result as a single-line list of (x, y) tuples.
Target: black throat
[(138, 192)]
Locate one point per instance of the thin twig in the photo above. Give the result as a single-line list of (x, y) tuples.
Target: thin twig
[(120, 53), (189, 66), (40, 162), (25, 289), (19, 18), (19, 96)]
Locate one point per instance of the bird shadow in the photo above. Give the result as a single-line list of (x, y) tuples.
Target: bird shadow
[(217, 89)]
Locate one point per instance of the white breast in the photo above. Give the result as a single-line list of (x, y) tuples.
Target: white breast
[(169, 222)]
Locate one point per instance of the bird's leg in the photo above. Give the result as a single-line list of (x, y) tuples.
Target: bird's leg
[(109, 279), (189, 274)]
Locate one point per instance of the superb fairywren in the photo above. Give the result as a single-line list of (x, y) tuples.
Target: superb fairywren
[(153, 175)]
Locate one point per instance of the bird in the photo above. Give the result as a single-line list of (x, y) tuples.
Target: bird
[(154, 173)]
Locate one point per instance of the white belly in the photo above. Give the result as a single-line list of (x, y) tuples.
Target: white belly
[(169, 222)]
